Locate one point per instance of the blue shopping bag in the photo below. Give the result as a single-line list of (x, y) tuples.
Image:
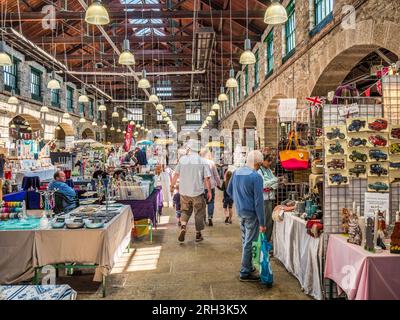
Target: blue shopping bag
[(266, 275)]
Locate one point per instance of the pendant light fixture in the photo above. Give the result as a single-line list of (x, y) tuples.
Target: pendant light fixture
[(82, 120), (216, 105), (13, 100), (144, 83), (164, 114), (222, 96), (124, 119), (132, 123), (102, 106), (58, 128), (29, 128), (12, 126), (124, 132), (104, 126), (94, 123), (138, 126), (212, 113), (153, 97), (83, 98), (119, 130), (275, 13), (112, 128), (136, 134), (209, 118), (126, 57), (66, 116), (115, 114), (96, 14), (231, 82), (167, 118), (159, 107), (53, 84), (247, 57), (44, 109)]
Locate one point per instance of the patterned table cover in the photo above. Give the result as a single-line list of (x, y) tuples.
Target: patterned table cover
[(31, 292)]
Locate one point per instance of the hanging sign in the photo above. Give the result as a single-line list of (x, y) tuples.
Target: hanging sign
[(69, 142), (128, 137), (345, 111)]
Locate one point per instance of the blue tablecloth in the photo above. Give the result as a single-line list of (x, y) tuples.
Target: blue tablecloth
[(31, 292), (147, 208), (32, 198)]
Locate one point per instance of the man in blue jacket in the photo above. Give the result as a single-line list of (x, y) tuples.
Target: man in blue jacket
[(246, 190), (59, 184)]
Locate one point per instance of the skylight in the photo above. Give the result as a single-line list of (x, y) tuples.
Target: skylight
[(145, 31)]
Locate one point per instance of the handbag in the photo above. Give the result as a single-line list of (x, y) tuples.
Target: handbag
[(294, 159)]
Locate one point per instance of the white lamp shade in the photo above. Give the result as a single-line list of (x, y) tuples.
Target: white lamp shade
[(29, 128), (104, 126), (124, 119), (146, 130), (66, 115), (12, 125), (102, 107), (231, 83), (58, 128), (206, 122), (112, 129), (222, 97), (136, 134), (200, 130), (138, 126), (169, 122), (96, 14), (13, 100), (247, 57), (53, 84), (167, 118), (212, 113), (132, 123), (153, 98), (115, 114), (159, 107), (208, 118), (275, 14), (83, 98), (144, 83), (44, 109), (215, 106), (164, 114), (124, 132), (5, 59), (94, 124), (118, 130), (82, 120), (126, 58)]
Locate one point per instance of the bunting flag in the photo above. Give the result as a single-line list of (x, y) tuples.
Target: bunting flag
[(368, 92), (379, 87)]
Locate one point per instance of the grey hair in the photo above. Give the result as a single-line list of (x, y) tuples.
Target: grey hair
[(254, 157)]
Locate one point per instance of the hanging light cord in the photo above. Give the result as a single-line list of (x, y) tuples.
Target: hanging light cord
[(230, 28)]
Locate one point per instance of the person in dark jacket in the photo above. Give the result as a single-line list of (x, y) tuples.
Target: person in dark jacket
[(177, 204), (227, 201)]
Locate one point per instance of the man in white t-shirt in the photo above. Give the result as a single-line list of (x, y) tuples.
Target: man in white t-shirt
[(193, 173)]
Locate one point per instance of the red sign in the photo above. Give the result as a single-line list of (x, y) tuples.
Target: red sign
[(128, 137)]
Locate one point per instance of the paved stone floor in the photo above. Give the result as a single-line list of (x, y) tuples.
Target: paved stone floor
[(169, 270)]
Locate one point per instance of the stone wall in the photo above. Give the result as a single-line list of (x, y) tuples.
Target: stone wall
[(320, 62)]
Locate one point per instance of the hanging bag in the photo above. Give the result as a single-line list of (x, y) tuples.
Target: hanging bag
[(297, 159)]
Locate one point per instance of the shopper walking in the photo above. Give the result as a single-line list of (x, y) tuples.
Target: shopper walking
[(270, 184), (215, 182), (246, 190), (227, 202), (193, 173)]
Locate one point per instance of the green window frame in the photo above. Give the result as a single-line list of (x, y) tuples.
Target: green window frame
[(290, 28), (322, 9), (36, 84), (269, 53), (70, 99), (81, 108), (239, 80), (246, 81), (91, 109), (234, 97), (10, 76), (55, 97), (256, 70)]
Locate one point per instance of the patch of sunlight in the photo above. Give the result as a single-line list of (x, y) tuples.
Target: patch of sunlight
[(164, 220), (141, 259)]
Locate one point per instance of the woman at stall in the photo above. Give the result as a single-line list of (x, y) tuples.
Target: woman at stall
[(270, 183)]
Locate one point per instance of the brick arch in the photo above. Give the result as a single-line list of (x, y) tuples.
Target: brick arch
[(67, 128), (342, 51), (33, 122), (250, 121), (271, 122), (88, 134)]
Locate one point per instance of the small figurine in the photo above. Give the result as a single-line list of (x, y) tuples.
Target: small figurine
[(355, 235), (345, 220), (369, 235), (395, 237)]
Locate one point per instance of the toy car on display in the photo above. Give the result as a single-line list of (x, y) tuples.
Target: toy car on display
[(336, 164), (356, 125), (378, 186), (356, 142), (395, 133), (338, 178), (335, 133), (394, 165), (378, 125), (358, 169), (336, 148), (355, 155), (395, 148), (377, 155), (378, 170), (378, 141)]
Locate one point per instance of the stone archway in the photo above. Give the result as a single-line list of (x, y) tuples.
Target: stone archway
[(271, 134), (64, 134), (250, 131), (33, 122), (88, 134)]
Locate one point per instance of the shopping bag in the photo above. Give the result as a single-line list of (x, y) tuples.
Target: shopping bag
[(294, 159), (266, 275), (256, 248)]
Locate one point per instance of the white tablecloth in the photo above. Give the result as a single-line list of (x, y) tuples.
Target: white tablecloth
[(300, 253), (44, 174), (30, 292)]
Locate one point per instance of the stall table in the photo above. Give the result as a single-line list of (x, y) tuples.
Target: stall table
[(146, 208), (24, 251), (43, 174), (300, 253), (362, 275)]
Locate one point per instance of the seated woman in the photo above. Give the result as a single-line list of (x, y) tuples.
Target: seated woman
[(65, 197)]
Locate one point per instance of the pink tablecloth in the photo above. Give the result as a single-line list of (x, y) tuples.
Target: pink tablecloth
[(360, 274)]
